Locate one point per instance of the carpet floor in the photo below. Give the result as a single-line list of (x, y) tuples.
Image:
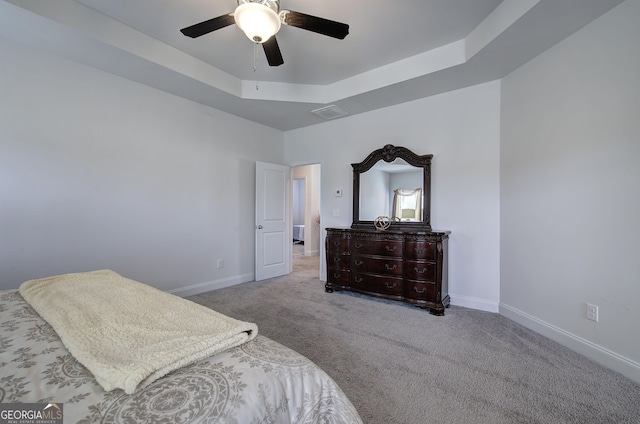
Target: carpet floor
[(400, 365)]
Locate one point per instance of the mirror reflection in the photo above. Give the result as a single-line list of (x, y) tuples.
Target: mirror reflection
[(392, 189)]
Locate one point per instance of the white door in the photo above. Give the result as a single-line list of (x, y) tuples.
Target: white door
[(273, 229)]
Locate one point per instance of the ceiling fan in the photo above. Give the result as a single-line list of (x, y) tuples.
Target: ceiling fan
[(261, 19)]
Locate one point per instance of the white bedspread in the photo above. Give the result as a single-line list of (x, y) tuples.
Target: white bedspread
[(260, 381), (128, 334)]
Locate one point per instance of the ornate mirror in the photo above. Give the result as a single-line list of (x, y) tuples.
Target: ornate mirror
[(396, 183)]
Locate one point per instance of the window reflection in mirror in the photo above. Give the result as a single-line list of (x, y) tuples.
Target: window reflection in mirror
[(407, 204), (393, 190)]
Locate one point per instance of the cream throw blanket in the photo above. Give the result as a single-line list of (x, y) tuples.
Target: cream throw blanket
[(129, 334)]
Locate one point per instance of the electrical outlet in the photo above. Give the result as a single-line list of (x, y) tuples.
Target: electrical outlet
[(220, 263), (592, 312)]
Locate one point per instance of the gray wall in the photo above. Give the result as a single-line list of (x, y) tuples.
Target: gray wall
[(101, 172), (570, 190)]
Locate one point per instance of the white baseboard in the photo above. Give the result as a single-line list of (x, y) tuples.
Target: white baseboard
[(212, 285), (599, 354), (474, 303)]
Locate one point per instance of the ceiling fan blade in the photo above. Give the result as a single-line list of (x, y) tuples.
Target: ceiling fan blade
[(272, 51), (313, 23), (206, 27)]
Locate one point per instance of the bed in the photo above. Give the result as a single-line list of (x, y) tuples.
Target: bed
[(258, 381), (298, 233)]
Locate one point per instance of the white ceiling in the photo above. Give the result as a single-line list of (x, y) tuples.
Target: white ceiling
[(396, 51)]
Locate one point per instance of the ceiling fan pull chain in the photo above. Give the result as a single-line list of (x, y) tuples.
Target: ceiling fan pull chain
[(255, 63)]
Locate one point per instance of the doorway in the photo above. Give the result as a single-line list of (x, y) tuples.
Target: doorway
[(306, 217)]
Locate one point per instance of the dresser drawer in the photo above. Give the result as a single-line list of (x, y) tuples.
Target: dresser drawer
[(420, 250), (377, 284), (337, 261), (376, 265), (339, 277), (377, 247), (420, 291), (336, 244), (420, 270)]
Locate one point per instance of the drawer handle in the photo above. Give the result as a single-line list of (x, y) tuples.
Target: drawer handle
[(418, 271), (358, 245), (389, 286), (357, 262), (391, 249), (358, 279), (336, 243), (336, 260), (424, 289), (336, 275), (420, 251), (390, 268)]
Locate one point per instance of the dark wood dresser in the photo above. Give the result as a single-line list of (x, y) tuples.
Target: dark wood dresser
[(409, 266)]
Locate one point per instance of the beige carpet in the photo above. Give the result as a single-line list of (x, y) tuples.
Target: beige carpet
[(399, 364)]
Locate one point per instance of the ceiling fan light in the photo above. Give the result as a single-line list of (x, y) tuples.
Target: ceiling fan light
[(258, 21)]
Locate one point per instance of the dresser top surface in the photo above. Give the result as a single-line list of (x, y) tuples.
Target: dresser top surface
[(392, 231)]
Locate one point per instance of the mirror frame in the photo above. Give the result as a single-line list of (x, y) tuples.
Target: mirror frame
[(389, 153)]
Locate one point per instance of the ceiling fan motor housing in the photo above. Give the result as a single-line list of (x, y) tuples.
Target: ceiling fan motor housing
[(271, 4), (258, 19)]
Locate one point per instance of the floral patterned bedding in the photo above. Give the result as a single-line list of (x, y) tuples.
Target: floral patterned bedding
[(258, 382)]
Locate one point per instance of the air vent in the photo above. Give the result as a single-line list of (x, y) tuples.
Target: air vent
[(330, 112)]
